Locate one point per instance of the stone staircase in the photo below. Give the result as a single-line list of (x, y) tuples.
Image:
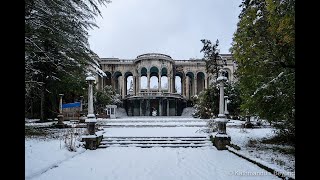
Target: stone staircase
[(151, 139), (148, 142)]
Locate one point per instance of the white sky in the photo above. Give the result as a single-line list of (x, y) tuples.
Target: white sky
[(174, 27)]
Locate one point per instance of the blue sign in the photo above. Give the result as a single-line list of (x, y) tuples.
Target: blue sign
[(71, 105)]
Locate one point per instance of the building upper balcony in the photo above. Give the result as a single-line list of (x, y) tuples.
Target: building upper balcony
[(151, 56)]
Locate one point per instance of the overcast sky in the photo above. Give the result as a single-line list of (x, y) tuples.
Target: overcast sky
[(129, 28)]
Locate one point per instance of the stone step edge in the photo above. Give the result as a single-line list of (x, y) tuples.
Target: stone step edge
[(154, 137), (125, 143), (174, 146)]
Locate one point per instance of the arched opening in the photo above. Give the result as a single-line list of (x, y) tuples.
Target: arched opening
[(189, 84), (128, 77), (107, 79), (227, 73), (117, 83), (154, 78), (200, 82), (164, 79), (154, 82), (143, 79), (179, 83)]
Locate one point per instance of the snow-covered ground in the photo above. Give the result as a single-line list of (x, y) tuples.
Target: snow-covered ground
[(43, 154), (249, 140), (46, 159), (187, 112), (156, 164)]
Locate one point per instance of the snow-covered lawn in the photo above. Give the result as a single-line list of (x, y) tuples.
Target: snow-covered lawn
[(249, 140), (46, 159), (43, 154)]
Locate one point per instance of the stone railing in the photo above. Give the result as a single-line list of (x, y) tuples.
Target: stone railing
[(153, 56)]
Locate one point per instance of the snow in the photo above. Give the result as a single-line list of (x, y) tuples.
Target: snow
[(262, 153), (90, 78), (91, 120), (221, 120), (221, 78), (264, 86), (187, 112), (222, 135), (41, 155), (154, 163), (46, 160), (153, 132)]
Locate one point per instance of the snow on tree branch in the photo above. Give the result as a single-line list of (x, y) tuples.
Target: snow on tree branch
[(264, 86)]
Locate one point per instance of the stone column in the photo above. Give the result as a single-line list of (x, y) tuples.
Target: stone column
[(226, 112), (195, 86), (60, 123), (205, 82), (138, 83), (169, 83), (221, 139), (160, 107), (168, 107), (91, 118), (183, 85), (148, 79), (134, 84), (187, 87), (159, 82), (124, 92)]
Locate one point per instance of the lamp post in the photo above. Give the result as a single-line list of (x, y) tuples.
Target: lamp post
[(221, 139), (60, 123), (226, 101), (91, 119)]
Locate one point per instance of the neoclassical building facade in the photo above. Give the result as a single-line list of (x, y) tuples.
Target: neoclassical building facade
[(155, 81)]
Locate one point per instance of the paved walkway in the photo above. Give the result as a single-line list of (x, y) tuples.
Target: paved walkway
[(155, 163)]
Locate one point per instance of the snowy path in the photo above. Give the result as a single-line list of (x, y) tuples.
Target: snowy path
[(134, 163)]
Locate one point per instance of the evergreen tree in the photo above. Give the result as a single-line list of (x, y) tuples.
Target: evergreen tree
[(56, 47), (264, 49), (211, 57)]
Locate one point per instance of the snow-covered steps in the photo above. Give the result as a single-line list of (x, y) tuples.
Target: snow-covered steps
[(147, 142), (149, 125), (144, 123)]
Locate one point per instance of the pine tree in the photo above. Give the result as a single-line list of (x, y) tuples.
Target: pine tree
[(56, 46)]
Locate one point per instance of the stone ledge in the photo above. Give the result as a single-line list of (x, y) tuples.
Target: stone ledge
[(92, 141)]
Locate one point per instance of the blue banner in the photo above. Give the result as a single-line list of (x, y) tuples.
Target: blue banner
[(71, 105)]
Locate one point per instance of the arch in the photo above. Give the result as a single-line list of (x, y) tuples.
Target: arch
[(164, 78), (227, 73), (143, 71), (200, 82), (154, 77), (107, 79), (143, 78), (189, 84), (128, 78), (154, 71), (117, 85), (179, 82), (164, 71)]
